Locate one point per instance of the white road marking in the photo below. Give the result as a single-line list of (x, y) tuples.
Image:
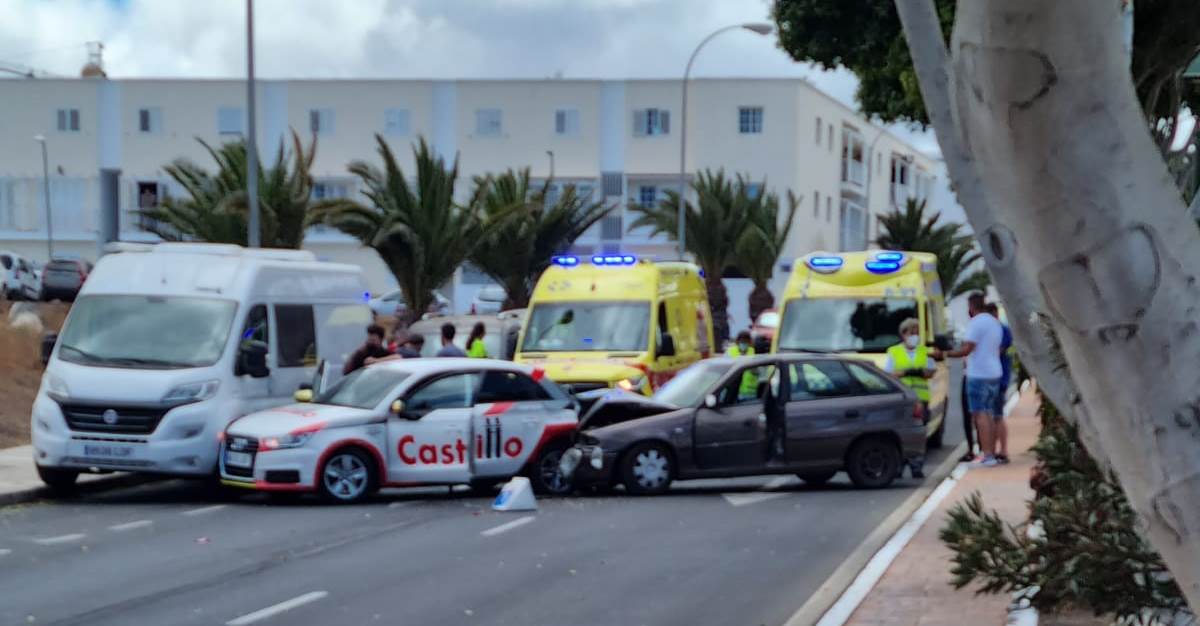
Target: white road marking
[(204, 509), (142, 523), (496, 530), (840, 612), (399, 503), (276, 609), (50, 541), (5, 551), (764, 493)]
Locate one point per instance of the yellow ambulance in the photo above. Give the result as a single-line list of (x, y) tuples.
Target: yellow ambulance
[(616, 321), (852, 303)]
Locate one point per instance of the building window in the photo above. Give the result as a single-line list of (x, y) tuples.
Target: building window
[(853, 227), (68, 120), (611, 227), (326, 190), (149, 197), (612, 184), (230, 121), (853, 170), (830, 137), (320, 121), (647, 195), (150, 120), (828, 208), (651, 122), (817, 134), (395, 122), (566, 122), (899, 179), (750, 120), (816, 205), (488, 123), (472, 275)]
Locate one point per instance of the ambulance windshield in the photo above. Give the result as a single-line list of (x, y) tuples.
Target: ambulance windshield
[(843, 324), (588, 326)]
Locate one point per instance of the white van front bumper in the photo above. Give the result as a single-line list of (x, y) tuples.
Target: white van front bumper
[(184, 442)]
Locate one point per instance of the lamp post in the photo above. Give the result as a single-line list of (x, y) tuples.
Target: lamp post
[(46, 190), (254, 235), (867, 187), (762, 28)]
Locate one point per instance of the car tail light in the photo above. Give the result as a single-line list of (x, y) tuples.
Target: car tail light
[(918, 413)]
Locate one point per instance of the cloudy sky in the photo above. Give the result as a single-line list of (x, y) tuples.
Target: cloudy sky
[(405, 39)]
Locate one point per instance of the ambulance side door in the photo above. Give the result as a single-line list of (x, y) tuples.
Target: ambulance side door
[(427, 442), (510, 413)]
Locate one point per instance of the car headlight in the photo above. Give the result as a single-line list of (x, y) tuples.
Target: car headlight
[(290, 440), (192, 392), (57, 388), (633, 383)]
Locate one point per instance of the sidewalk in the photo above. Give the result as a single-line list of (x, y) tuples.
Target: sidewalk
[(19, 481), (916, 589)]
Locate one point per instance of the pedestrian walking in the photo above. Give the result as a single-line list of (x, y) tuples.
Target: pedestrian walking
[(475, 347), (448, 347), (911, 361), (1006, 343), (371, 350), (981, 347)]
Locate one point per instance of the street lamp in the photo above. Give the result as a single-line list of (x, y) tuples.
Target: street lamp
[(46, 189), (762, 28), (252, 237)]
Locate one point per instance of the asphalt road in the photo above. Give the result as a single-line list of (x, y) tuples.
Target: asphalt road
[(732, 552)]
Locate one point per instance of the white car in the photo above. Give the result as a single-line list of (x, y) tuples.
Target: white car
[(488, 301), (404, 423), (18, 277), (392, 303)]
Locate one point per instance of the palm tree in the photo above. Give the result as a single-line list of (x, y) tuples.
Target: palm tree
[(522, 231), (761, 242), (215, 208), (713, 223), (911, 230), (415, 226)]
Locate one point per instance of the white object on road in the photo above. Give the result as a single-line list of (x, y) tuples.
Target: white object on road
[(496, 530), (276, 609), (51, 541), (142, 523), (517, 495), (204, 509)]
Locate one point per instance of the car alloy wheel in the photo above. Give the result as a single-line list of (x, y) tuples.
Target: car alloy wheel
[(346, 477), (651, 468)]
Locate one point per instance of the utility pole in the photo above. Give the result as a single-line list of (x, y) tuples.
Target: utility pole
[(253, 238)]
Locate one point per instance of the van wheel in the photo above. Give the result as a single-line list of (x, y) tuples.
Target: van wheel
[(544, 474), (816, 478), (647, 469), (60, 481), (873, 463), (348, 475)]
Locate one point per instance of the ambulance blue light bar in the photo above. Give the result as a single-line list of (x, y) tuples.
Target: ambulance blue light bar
[(890, 257), (882, 267), (826, 264), (614, 259), (565, 261)]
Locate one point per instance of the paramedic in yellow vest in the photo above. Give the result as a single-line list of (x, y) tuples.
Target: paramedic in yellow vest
[(742, 347), (914, 365)]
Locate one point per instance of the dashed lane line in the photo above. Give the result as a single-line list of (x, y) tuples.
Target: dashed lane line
[(51, 541), (496, 530), (204, 509), (142, 523), (276, 609)]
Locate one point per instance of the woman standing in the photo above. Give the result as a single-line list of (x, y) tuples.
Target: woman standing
[(475, 347)]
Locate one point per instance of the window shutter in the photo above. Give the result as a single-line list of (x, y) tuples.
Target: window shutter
[(611, 184), (639, 123), (144, 120), (62, 119), (664, 122), (560, 122), (74, 119), (314, 120)]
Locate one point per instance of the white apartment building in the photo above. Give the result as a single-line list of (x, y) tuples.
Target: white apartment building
[(619, 140)]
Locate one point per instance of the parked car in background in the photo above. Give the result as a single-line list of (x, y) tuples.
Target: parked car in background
[(392, 303), (500, 340), (808, 415), (489, 300), (20, 279), (63, 278)]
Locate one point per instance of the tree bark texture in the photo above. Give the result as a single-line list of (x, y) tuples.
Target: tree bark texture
[(1082, 228)]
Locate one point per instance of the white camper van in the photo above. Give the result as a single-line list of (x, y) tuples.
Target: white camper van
[(167, 344)]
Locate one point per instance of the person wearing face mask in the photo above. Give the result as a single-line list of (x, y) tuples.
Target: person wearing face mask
[(911, 361), (742, 347)]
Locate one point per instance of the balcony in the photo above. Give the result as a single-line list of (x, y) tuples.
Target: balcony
[(854, 176)]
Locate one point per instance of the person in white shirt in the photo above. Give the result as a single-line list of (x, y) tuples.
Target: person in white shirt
[(981, 347)]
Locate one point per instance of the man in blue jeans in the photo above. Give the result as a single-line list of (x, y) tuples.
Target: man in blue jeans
[(981, 347), (1006, 343)]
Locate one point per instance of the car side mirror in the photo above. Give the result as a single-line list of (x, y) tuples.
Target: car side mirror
[(303, 395), (666, 345), (397, 409), (252, 359), (710, 401), (943, 342)]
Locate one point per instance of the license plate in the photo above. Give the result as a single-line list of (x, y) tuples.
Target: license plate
[(106, 451), (240, 459)]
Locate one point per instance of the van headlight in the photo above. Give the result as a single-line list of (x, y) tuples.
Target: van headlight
[(192, 392), (56, 388)]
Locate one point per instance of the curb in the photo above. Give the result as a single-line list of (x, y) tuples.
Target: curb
[(837, 585), (100, 484)]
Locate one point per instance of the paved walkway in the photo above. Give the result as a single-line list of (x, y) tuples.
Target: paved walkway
[(19, 480), (916, 589)]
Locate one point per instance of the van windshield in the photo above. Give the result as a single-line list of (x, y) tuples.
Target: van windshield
[(156, 332), (588, 327), (843, 324)]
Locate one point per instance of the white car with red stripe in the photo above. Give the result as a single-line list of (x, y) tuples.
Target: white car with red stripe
[(404, 423)]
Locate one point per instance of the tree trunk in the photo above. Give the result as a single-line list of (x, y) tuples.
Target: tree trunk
[(760, 300), (718, 301), (1080, 226)]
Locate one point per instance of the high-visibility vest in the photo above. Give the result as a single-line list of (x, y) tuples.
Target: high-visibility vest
[(749, 386), (477, 350), (902, 363)]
